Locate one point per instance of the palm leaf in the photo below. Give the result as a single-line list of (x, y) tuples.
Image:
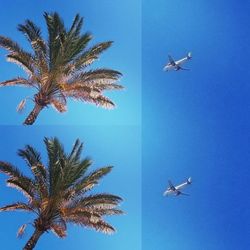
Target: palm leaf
[(16, 81), (16, 206), (21, 231), (21, 106)]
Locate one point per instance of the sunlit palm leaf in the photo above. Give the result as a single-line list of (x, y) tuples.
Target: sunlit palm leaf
[(21, 231), (16, 206), (16, 81)]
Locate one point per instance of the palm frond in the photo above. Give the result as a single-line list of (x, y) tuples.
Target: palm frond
[(97, 174), (89, 56), (97, 74), (97, 201), (108, 211), (76, 26), (23, 60), (10, 170), (33, 160), (86, 219), (59, 227), (102, 85), (56, 157), (30, 155), (56, 31), (16, 81), (9, 45), (25, 186), (33, 34), (16, 206), (21, 231), (101, 101), (94, 98), (21, 106), (76, 151), (58, 105), (18, 180)]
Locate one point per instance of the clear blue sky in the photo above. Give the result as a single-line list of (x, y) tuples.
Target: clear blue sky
[(106, 20), (196, 123)]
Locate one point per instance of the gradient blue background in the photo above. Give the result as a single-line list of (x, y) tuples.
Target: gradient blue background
[(107, 145), (196, 123), (116, 20)]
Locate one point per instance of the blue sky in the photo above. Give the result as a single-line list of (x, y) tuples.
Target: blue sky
[(106, 20), (106, 145), (196, 123)]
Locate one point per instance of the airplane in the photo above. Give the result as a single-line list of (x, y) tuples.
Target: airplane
[(176, 189), (176, 65)]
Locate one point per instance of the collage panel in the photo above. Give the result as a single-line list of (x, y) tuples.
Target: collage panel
[(117, 146), (195, 124), (111, 59), (67, 78)]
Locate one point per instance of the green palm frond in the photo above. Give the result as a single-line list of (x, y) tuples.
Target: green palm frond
[(97, 74), (11, 171), (10, 45), (30, 155), (18, 180), (98, 174), (97, 201), (33, 34), (89, 56), (76, 151)]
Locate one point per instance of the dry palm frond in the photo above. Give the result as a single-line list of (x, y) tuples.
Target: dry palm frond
[(21, 106), (21, 231), (59, 106), (16, 81)]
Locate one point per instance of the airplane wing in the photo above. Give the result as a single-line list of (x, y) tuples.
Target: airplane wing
[(172, 187), (171, 60), (178, 192), (184, 194), (179, 67)]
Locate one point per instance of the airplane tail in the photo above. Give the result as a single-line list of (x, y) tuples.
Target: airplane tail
[(189, 55), (189, 180)]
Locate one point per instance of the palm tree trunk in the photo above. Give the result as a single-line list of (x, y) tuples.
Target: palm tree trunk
[(33, 114), (33, 240)]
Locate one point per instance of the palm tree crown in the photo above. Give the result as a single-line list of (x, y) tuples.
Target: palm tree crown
[(57, 68), (57, 194)]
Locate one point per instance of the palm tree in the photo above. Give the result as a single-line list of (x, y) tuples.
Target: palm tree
[(57, 195), (57, 68)]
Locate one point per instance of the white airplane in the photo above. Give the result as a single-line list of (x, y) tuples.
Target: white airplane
[(176, 65), (175, 190)]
